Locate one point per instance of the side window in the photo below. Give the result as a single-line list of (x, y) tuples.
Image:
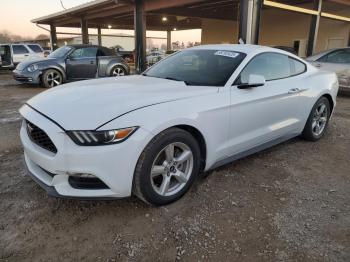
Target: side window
[(35, 48), (84, 52), (272, 66), (297, 67), (2, 50), (339, 57), (90, 52), (19, 49)]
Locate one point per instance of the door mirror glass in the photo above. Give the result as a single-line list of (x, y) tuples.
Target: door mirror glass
[(253, 81)]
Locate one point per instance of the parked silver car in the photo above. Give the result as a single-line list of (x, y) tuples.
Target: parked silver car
[(335, 60)]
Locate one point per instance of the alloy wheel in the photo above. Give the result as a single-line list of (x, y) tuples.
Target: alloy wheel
[(172, 169), (54, 79), (319, 120), (118, 71)]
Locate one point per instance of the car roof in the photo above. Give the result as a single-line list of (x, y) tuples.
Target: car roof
[(323, 53), (244, 48), (83, 45)]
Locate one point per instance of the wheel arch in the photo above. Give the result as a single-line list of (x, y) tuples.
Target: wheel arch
[(330, 100), (199, 138), (60, 70), (112, 65)]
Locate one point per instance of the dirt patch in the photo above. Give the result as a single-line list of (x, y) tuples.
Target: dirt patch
[(288, 203)]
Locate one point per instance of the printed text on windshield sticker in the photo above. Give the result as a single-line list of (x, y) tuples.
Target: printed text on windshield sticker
[(227, 53)]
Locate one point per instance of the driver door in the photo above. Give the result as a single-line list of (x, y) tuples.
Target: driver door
[(263, 114), (82, 63)]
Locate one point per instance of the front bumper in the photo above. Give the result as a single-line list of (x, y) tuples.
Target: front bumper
[(27, 77), (114, 165)]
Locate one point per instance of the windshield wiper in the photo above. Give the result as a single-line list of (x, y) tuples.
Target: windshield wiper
[(175, 79), (171, 78)]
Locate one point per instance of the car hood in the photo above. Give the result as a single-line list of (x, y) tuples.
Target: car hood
[(86, 105), (28, 62)]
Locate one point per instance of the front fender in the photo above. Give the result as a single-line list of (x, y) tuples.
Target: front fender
[(56, 67), (208, 114)]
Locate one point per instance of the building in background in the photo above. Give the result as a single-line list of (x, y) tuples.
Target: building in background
[(307, 26), (125, 41)]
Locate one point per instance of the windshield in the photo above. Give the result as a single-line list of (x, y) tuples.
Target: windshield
[(198, 67), (60, 52)]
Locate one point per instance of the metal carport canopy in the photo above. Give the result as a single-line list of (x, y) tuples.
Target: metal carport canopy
[(120, 14)]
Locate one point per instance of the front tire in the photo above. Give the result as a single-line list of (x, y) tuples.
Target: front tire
[(317, 122), (167, 167), (52, 78)]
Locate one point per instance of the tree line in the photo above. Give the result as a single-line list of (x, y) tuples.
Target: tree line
[(8, 37)]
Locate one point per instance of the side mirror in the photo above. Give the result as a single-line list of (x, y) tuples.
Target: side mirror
[(254, 81)]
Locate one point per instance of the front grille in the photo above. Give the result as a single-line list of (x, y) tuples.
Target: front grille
[(39, 137)]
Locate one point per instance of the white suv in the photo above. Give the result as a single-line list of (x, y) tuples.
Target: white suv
[(13, 54)]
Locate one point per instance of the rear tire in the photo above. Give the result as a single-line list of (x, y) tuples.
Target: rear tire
[(317, 122), (167, 167), (52, 78), (118, 71)]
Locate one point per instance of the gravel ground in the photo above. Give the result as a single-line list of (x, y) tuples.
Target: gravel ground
[(288, 203)]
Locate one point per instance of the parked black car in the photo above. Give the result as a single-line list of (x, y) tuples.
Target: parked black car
[(71, 63)]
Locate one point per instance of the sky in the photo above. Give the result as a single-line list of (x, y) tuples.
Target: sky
[(16, 15)]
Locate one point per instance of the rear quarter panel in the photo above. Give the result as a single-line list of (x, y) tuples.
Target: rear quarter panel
[(106, 63), (318, 83)]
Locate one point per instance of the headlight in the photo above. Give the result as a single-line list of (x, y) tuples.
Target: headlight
[(98, 138), (32, 68)]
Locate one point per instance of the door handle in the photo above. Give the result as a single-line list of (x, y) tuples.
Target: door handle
[(294, 91), (318, 65), (26, 55), (92, 62)]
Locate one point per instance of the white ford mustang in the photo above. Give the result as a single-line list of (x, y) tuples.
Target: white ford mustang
[(152, 134)]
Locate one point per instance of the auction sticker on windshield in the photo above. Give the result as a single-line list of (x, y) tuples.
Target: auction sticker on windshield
[(227, 53)]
